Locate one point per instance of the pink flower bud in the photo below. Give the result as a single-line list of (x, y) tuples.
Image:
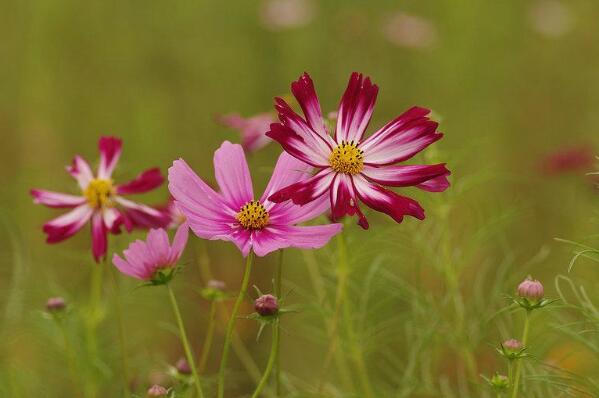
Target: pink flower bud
[(531, 289), (157, 391), (183, 367), (512, 345), (266, 305), (55, 304)]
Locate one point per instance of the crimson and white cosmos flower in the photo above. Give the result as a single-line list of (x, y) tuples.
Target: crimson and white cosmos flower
[(233, 214), (351, 169), (101, 201)]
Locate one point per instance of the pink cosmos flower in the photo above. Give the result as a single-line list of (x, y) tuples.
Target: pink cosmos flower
[(144, 259), (252, 129), (352, 169), (100, 200), (233, 214)]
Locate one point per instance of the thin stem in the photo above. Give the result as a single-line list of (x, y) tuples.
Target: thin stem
[(519, 361), (278, 293), (93, 319), (274, 351), (121, 333), (69, 354), (209, 337), (185, 341), (231, 324)]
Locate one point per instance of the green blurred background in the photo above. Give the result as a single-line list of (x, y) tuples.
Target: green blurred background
[(511, 81)]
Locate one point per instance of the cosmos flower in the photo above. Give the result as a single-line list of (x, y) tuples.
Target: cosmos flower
[(351, 169), (234, 214), (100, 200), (575, 159), (144, 259), (252, 129)]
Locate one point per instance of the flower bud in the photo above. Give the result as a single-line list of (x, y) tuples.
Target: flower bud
[(183, 367), (531, 289), (55, 304), (266, 305), (216, 284), (512, 345), (499, 382), (157, 391)]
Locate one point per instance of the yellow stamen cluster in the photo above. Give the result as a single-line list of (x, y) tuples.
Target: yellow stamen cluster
[(347, 158), (99, 193), (253, 215)]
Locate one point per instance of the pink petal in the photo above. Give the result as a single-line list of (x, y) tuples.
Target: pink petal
[(140, 215), (287, 171), (303, 90), (144, 182), (207, 213), (383, 200), (159, 246), (306, 191), (179, 242), (242, 238), (289, 213), (99, 238), (428, 177), (112, 219), (355, 108), (81, 171), (56, 199), (344, 200), (128, 269), (68, 224), (110, 152), (400, 139), (253, 129), (268, 240), (233, 175), (308, 237)]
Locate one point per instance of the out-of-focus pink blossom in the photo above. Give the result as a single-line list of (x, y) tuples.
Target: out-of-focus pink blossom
[(252, 129), (578, 159), (286, 14), (531, 289), (550, 18), (409, 31)]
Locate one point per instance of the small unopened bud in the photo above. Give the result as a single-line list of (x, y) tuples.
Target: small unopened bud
[(266, 305), (216, 284), (157, 391), (531, 289), (512, 345), (499, 382), (55, 304), (183, 367)]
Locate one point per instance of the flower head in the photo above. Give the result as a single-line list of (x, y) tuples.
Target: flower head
[(351, 169), (531, 289), (499, 382), (577, 159), (100, 200), (266, 305), (512, 349), (252, 129), (512, 345), (55, 304), (183, 367), (234, 214), (157, 391), (146, 260)]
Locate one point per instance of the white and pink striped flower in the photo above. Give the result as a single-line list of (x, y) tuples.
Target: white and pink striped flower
[(144, 259), (100, 200), (350, 168), (233, 214)]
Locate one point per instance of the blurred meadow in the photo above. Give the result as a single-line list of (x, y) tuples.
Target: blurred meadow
[(511, 83)]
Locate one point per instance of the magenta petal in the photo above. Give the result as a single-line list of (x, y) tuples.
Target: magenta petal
[(110, 152), (308, 237), (289, 213), (99, 238), (383, 200), (287, 171), (405, 176), (233, 175), (179, 242), (68, 224), (81, 171), (56, 199), (242, 239), (145, 182), (139, 215), (303, 90), (306, 191), (355, 108), (268, 240)]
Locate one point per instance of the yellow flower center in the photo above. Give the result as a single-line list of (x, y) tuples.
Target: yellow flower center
[(99, 193), (347, 158), (253, 215)]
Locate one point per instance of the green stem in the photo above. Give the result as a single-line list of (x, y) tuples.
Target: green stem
[(121, 333), (185, 341), (207, 345), (519, 361), (231, 324), (274, 351), (69, 354), (93, 319), (278, 293)]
